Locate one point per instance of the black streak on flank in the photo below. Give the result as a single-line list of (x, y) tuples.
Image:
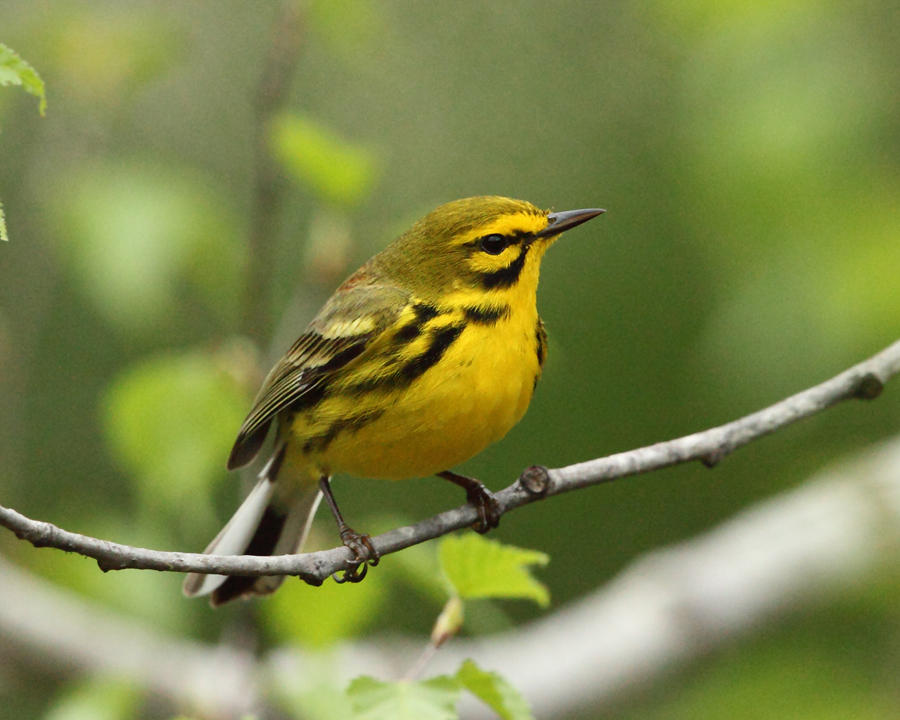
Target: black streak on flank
[(413, 329), (486, 315), (541, 343), (349, 424), (505, 277), (440, 340)]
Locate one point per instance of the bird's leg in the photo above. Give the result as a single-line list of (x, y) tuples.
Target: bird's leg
[(360, 544), (482, 498)]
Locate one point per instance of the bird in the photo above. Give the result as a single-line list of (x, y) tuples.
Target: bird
[(422, 358)]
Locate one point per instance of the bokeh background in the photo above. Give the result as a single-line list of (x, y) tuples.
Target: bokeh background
[(749, 158)]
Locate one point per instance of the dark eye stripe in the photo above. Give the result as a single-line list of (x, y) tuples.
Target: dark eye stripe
[(505, 277)]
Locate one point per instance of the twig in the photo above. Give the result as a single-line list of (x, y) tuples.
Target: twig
[(666, 609), (677, 604), (864, 380)]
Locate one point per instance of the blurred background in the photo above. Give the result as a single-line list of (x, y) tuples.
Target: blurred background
[(749, 158)]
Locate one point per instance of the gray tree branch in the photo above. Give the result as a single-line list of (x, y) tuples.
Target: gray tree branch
[(665, 610), (864, 381)]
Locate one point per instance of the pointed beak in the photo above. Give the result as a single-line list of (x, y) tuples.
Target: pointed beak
[(560, 221)]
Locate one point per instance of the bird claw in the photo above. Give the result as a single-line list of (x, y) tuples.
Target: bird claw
[(486, 504), (484, 501), (365, 555)]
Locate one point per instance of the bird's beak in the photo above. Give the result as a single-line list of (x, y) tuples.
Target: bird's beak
[(559, 221)]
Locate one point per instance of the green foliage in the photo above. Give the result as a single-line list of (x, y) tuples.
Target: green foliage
[(747, 154), (106, 53), (169, 421), (477, 567), (96, 699), (333, 169), (137, 236), (321, 701), (502, 697), (15, 71), (433, 699), (320, 616)]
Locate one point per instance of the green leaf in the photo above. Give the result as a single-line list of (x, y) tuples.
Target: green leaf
[(170, 421), (15, 71), (433, 699), (502, 697), (334, 169), (415, 566), (317, 700), (478, 568), (3, 236)]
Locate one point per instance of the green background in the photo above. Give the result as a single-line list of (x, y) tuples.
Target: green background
[(747, 154)]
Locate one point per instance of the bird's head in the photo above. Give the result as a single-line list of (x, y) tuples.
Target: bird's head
[(486, 243)]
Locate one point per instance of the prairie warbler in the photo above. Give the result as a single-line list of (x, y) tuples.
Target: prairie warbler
[(424, 356)]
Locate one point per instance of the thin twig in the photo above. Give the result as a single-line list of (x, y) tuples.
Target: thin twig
[(665, 610), (864, 381)]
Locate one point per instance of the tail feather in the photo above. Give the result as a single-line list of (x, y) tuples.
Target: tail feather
[(278, 534), (266, 523)]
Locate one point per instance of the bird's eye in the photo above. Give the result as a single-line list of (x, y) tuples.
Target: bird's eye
[(494, 244)]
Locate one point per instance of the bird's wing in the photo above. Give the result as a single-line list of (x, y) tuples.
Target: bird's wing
[(350, 321)]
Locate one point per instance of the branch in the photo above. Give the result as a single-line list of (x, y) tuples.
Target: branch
[(864, 381), (666, 609), (675, 605)]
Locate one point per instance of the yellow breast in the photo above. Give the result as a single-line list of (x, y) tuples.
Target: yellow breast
[(480, 369), (448, 380), (478, 391), (470, 398)]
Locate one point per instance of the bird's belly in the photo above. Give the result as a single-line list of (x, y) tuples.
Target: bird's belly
[(470, 399)]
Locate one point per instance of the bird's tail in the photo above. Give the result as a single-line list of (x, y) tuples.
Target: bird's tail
[(266, 523)]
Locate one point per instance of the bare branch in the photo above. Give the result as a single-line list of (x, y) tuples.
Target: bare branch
[(864, 380), (667, 609)]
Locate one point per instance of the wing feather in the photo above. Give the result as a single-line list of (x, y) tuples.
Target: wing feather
[(342, 331)]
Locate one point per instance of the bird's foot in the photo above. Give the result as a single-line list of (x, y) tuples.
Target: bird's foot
[(477, 494), (364, 555)]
